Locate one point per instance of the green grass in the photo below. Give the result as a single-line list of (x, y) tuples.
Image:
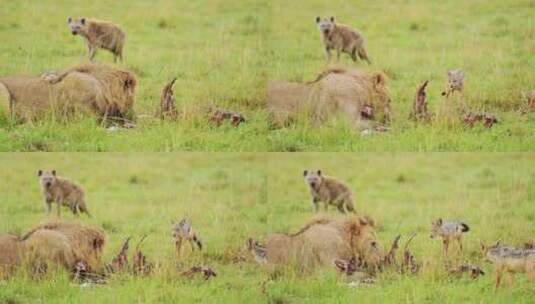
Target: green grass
[(224, 52), (231, 196)]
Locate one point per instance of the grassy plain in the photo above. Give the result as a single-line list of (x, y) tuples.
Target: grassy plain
[(229, 197), (224, 52)]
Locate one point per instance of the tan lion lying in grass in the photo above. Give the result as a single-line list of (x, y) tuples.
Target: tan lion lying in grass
[(320, 243), (105, 91), (357, 95), (52, 245)]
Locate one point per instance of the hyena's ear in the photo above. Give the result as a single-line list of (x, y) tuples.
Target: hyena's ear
[(439, 221), (40, 172), (319, 172), (69, 20), (53, 172), (82, 21), (318, 19), (305, 173), (332, 19)]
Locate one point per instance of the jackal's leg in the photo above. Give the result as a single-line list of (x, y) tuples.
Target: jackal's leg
[(531, 274), (445, 245), (498, 279), (178, 247), (511, 279)]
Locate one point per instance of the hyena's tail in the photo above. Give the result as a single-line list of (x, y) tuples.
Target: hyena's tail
[(351, 208), (464, 227), (363, 55), (83, 209)]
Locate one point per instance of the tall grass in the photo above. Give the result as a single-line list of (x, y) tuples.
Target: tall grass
[(224, 52), (229, 197)]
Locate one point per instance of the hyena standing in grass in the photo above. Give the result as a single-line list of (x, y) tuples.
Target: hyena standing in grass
[(62, 192), (99, 34), (328, 190), (449, 231), (341, 38)]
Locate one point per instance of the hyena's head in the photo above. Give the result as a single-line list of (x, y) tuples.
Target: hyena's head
[(47, 178), (325, 25), (313, 178), (77, 26), (436, 228)]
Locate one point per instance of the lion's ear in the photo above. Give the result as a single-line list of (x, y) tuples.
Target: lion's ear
[(379, 79), (40, 172), (305, 173), (69, 20), (82, 21), (318, 19), (332, 19), (53, 172)]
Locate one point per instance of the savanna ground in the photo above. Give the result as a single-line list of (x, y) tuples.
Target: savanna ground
[(230, 197), (224, 52)]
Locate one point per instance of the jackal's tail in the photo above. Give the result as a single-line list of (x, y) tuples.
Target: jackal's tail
[(464, 227)]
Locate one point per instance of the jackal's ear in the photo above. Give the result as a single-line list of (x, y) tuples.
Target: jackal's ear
[(332, 19), (497, 243), (53, 172), (318, 19), (82, 21), (40, 172), (319, 172), (482, 246), (305, 173), (69, 20)]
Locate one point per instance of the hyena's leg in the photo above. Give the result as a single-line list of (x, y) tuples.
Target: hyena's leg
[(92, 52), (48, 205), (338, 51), (74, 206), (349, 206), (354, 53), (315, 205), (363, 54), (328, 54), (340, 207), (59, 203)]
